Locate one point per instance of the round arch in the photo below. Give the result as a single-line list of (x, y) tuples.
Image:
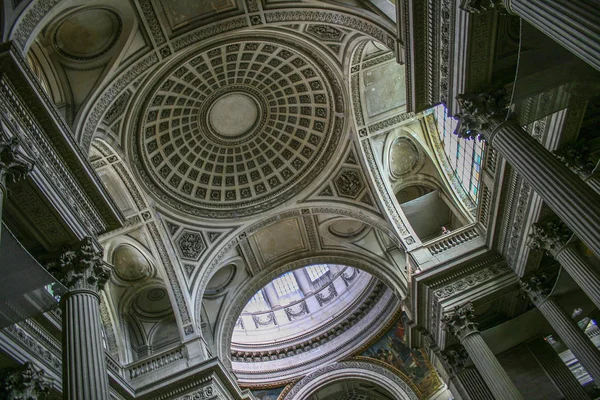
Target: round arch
[(398, 386), (224, 330)]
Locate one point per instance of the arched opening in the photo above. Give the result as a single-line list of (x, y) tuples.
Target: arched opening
[(306, 317)]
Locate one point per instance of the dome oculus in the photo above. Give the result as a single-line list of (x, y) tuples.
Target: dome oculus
[(238, 128)]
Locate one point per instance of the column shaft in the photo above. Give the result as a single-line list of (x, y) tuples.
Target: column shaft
[(582, 273), (572, 200), (574, 24), (573, 337), (272, 295), (556, 369), (84, 364), (491, 371), (470, 385), (303, 281), (2, 194)]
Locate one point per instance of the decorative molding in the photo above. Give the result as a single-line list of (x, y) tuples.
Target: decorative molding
[(469, 281), (171, 275)]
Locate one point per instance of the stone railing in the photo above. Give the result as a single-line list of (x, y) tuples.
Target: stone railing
[(113, 365), (158, 361), (452, 239)]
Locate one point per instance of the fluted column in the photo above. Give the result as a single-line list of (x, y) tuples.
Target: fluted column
[(461, 322), (574, 24), (465, 383), (538, 289), (574, 202), (84, 365), (551, 235), (13, 167), (556, 369)]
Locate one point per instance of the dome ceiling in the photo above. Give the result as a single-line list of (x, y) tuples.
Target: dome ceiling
[(239, 128)]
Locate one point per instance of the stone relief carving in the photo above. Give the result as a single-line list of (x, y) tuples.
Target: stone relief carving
[(349, 183), (480, 113), (455, 357), (25, 383), (13, 166), (537, 287), (461, 321), (81, 268), (550, 235), (191, 245), (479, 6)]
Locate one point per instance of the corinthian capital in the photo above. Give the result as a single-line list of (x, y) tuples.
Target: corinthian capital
[(455, 357), (13, 166), (549, 235), (537, 287), (479, 6), (26, 383), (481, 113), (461, 321), (81, 268), (578, 157)]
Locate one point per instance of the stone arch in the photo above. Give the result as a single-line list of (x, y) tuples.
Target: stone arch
[(224, 331), (373, 220), (399, 386)]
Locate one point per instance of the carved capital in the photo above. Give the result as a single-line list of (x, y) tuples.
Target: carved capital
[(461, 321), (13, 165), (481, 113), (25, 383), (578, 157), (479, 6), (537, 287), (549, 235), (455, 357), (81, 268)]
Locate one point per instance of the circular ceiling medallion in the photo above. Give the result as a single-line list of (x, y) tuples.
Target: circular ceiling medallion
[(233, 114), (156, 294), (87, 34), (347, 228), (404, 157), (239, 128), (130, 264)]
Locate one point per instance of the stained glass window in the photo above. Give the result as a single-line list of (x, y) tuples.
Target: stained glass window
[(465, 156)]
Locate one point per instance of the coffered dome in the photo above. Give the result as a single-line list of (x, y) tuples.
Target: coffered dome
[(239, 128)]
